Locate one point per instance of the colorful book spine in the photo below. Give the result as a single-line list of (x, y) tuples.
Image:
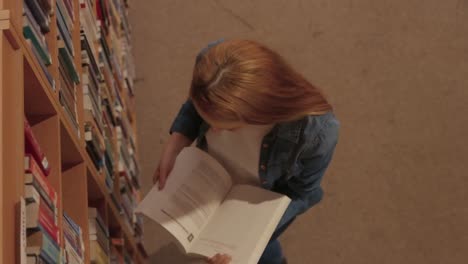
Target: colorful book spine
[(51, 249), (36, 177), (47, 223), (69, 64), (32, 147)]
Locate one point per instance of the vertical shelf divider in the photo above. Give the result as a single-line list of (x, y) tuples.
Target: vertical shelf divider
[(12, 143)]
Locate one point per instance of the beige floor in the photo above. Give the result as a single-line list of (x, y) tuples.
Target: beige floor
[(397, 74)]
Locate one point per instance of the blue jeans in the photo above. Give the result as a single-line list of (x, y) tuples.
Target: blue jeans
[(273, 253)]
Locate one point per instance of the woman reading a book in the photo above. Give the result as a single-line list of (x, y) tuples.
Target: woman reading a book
[(263, 121)]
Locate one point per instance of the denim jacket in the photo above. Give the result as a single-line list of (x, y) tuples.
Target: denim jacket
[(293, 156)]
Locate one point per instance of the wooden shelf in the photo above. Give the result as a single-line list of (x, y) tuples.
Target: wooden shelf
[(27, 92)]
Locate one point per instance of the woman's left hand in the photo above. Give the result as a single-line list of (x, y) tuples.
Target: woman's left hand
[(219, 259)]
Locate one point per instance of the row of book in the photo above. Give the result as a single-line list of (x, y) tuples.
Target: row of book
[(105, 247), (43, 243), (68, 74), (36, 24), (98, 237), (108, 74), (36, 28), (106, 80)]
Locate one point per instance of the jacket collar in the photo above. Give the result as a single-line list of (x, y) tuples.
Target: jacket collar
[(290, 131)]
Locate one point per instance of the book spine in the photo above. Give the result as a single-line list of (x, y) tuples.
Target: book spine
[(46, 6), (104, 228), (70, 7), (38, 175), (73, 237), (42, 19), (42, 64), (32, 147), (29, 20), (72, 253), (65, 32), (65, 14), (46, 221), (69, 238), (45, 258), (75, 241), (50, 248), (89, 53), (72, 223), (103, 240), (66, 97), (69, 65), (34, 183)]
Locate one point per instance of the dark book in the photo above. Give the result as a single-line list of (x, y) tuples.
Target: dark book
[(29, 33), (41, 18), (65, 32), (85, 46), (46, 6), (30, 20), (68, 62)]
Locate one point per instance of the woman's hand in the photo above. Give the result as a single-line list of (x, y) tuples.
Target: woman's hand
[(219, 259), (173, 147)]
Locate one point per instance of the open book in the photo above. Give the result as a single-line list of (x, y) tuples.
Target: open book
[(207, 214)]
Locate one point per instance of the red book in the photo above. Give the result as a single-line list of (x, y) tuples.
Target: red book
[(46, 220), (39, 216), (46, 190), (32, 147)]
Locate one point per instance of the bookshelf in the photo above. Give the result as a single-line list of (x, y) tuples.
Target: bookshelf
[(62, 130)]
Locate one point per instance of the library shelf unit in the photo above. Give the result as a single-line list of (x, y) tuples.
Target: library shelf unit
[(27, 93)]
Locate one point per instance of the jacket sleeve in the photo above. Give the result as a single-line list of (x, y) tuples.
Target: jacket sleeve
[(304, 189), (187, 121)]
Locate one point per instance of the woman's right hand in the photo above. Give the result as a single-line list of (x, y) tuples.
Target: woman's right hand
[(173, 147)]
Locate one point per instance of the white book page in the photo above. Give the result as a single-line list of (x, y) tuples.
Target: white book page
[(243, 224), (194, 190)]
